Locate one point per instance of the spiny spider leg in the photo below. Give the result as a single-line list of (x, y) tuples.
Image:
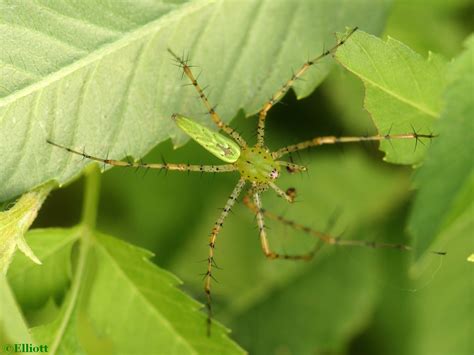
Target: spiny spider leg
[(280, 192), (256, 207), (212, 241), (333, 140), (165, 166), (212, 112), (284, 89), (292, 167), (324, 237)]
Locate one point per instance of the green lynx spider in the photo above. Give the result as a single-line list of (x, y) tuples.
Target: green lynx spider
[(257, 166)]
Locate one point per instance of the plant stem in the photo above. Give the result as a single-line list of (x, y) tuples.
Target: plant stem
[(88, 222), (91, 197)]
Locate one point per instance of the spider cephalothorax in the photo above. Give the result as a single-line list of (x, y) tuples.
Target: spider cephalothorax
[(256, 165)]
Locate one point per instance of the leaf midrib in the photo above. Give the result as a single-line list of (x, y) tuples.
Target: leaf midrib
[(96, 55)]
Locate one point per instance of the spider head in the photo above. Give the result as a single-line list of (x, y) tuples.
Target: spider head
[(256, 164)]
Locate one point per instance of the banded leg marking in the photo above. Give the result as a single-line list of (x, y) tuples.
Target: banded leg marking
[(164, 166), (212, 242), (324, 237), (317, 141), (284, 89), (292, 167), (281, 193), (256, 207), (211, 110)]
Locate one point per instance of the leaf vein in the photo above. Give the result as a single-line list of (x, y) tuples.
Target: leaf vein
[(82, 21), (49, 36), (277, 55), (126, 93), (98, 54)]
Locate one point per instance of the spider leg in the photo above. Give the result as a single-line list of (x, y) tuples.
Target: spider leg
[(317, 141), (281, 193), (286, 86), (324, 237), (256, 207), (292, 167), (212, 242), (162, 166), (211, 110)]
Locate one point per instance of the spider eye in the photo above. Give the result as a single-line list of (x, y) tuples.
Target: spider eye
[(273, 174)]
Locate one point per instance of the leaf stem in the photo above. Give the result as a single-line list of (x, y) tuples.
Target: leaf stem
[(73, 293), (88, 223), (91, 197)]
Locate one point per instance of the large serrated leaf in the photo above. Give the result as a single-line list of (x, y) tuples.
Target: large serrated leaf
[(403, 91), (117, 292), (96, 75)]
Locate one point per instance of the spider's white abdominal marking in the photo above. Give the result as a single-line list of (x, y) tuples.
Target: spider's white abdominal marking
[(257, 165)]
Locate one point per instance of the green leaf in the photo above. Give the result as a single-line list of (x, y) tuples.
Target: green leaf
[(12, 326), (350, 111), (116, 292), (447, 178), (15, 222), (403, 90), (33, 285), (98, 76)]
